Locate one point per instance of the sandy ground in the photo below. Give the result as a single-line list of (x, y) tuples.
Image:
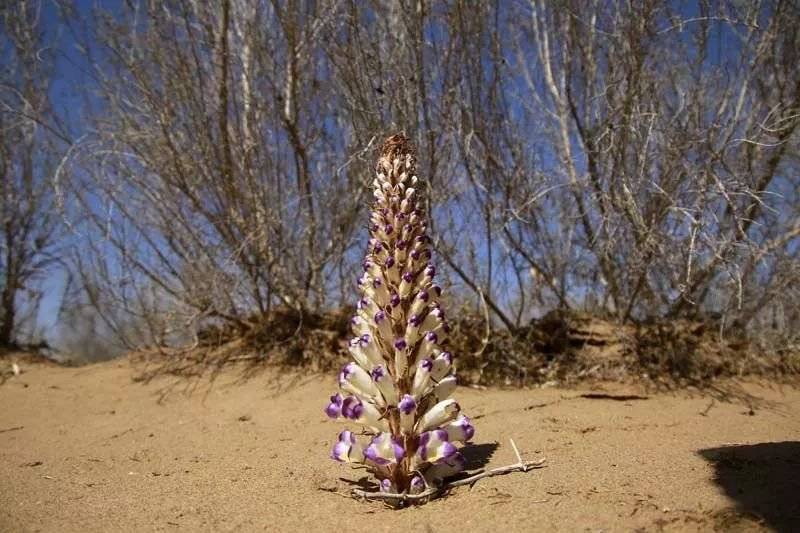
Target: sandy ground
[(88, 449)]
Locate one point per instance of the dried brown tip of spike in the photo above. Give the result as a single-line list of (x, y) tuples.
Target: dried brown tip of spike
[(396, 146)]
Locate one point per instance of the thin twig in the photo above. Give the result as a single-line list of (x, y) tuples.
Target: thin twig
[(431, 492)]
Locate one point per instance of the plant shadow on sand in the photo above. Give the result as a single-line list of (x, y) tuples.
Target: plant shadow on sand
[(763, 479), (478, 455)]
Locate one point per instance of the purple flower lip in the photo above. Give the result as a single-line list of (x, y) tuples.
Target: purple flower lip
[(334, 409), (388, 229), (395, 300), (448, 357), (431, 336), (429, 441), (366, 265), (423, 295), (345, 372), (352, 408), (379, 317), (400, 216), (415, 320), (400, 344), (378, 373), (377, 282), (389, 262), (430, 270), (407, 404), (426, 364), (364, 339), (386, 485), (415, 255), (339, 449), (401, 245), (408, 277), (469, 430), (347, 436)]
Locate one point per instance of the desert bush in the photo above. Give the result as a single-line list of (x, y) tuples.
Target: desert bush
[(635, 161)]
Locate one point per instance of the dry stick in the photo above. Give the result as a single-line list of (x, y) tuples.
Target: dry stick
[(520, 466)]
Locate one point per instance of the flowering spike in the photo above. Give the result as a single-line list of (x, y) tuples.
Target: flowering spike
[(398, 387)]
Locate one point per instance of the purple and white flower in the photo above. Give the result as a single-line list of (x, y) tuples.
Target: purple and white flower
[(364, 413), (434, 446), (356, 380), (417, 485), (408, 410), (384, 449), (334, 409), (460, 429), (347, 449), (382, 379)]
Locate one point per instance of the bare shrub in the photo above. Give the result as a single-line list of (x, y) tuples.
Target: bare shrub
[(635, 161)]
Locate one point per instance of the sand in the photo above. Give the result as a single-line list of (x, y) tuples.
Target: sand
[(89, 449)]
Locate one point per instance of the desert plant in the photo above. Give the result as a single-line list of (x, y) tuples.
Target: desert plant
[(398, 387)]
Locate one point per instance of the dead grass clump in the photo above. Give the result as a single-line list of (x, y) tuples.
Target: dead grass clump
[(283, 337), (561, 347), (569, 346)]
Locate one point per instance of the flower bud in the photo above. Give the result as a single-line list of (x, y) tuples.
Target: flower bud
[(417, 485), (407, 408), (386, 485), (383, 381), (356, 380), (422, 378), (334, 409), (442, 365), (444, 388), (439, 414)]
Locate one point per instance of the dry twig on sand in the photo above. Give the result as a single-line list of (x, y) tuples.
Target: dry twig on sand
[(433, 492)]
